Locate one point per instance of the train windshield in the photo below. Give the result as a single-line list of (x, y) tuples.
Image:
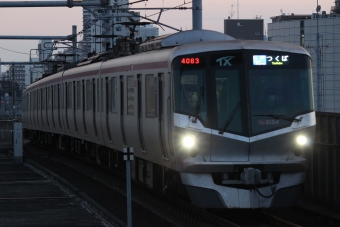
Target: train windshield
[(280, 89), (191, 85), (245, 92)]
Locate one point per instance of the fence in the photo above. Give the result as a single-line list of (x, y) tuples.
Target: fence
[(323, 176)]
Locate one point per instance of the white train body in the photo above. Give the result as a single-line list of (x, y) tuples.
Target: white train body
[(169, 105)]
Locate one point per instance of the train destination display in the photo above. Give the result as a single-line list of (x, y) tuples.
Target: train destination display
[(270, 59)]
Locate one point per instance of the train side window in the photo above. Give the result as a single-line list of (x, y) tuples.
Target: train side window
[(49, 101), (130, 96), (150, 96), (42, 96), (62, 101), (102, 95), (69, 95), (89, 95), (78, 95), (56, 101), (113, 95)]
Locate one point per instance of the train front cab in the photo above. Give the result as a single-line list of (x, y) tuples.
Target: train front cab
[(238, 116)]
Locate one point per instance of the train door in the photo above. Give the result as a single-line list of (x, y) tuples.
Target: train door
[(68, 99), (90, 108), (131, 119), (122, 109), (106, 124), (52, 106), (95, 105), (78, 113), (48, 106), (99, 112), (153, 124), (58, 107), (164, 85), (115, 112), (34, 107), (228, 95), (43, 106)]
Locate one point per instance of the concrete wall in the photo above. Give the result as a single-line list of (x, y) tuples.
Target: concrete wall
[(244, 29)]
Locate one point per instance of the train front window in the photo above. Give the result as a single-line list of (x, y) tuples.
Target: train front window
[(190, 87), (279, 91), (228, 100)]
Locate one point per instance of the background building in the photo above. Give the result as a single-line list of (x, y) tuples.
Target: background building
[(302, 30), (244, 29), (148, 31), (103, 22)]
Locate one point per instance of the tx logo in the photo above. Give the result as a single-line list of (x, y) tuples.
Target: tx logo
[(225, 61)]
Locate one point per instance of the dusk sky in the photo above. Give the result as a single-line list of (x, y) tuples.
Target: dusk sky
[(58, 21)]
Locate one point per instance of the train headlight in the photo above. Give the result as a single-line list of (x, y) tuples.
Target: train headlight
[(189, 141), (301, 140)]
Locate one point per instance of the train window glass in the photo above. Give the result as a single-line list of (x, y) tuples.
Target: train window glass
[(130, 96), (102, 95), (98, 97), (228, 100), (56, 97), (114, 95), (280, 93), (109, 94), (43, 100), (62, 96), (89, 95), (69, 95), (49, 99), (78, 95), (190, 87), (150, 96), (34, 103)]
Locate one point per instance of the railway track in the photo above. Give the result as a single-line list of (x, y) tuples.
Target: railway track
[(176, 212)]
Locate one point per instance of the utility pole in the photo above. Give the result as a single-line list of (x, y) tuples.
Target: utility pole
[(318, 61)]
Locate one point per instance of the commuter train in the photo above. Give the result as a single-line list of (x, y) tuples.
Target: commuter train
[(230, 123)]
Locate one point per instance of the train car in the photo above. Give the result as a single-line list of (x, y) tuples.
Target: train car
[(230, 121)]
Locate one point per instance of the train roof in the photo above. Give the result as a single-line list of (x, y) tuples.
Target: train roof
[(182, 43), (238, 45), (182, 38)]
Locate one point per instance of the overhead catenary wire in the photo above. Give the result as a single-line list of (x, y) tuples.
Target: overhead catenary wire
[(168, 9), (14, 51)]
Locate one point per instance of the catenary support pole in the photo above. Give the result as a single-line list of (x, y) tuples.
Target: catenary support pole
[(17, 142), (128, 156), (197, 15)]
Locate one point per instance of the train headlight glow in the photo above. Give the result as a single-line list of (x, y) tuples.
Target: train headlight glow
[(301, 140), (189, 141)]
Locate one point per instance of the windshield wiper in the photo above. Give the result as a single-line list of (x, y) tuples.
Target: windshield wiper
[(231, 117), (280, 117)]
